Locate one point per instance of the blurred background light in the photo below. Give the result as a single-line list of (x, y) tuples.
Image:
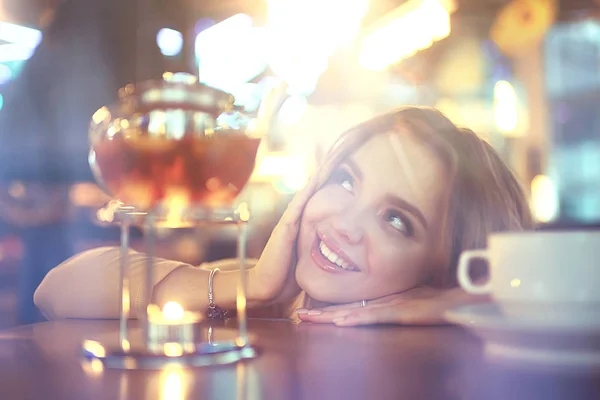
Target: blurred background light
[(1, 102), (303, 34), (170, 42), (292, 110), (544, 199), (5, 74), (286, 172), (20, 35), (506, 111), (225, 63), (15, 52), (414, 26)]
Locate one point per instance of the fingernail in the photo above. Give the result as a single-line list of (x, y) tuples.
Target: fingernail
[(302, 311), (314, 312)]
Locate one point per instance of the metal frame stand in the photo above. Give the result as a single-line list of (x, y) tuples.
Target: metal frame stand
[(143, 348)]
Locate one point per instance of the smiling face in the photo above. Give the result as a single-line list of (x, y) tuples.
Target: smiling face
[(375, 227)]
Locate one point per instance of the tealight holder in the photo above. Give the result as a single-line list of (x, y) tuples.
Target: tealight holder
[(172, 334), (169, 151)]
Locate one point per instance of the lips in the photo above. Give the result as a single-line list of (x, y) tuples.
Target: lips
[(330, 258)]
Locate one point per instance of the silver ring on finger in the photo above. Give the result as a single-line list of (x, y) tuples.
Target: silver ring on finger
[(363, 303)]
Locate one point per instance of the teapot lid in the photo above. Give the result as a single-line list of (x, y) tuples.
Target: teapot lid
[(176, 90)]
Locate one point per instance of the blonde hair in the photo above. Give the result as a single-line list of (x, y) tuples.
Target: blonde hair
[(484, 196)]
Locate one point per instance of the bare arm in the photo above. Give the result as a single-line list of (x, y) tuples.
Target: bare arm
[(189, 286), (87, 285)]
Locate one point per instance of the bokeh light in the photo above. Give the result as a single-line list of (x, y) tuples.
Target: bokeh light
[(506, 112), (5, 74), (170, 41)]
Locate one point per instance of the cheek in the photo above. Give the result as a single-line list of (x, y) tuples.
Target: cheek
[(398, 264), (325, 203)]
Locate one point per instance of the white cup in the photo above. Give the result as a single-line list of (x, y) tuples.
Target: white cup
[(543, 275)]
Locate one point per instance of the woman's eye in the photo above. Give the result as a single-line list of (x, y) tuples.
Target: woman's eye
[(343, 179), (398, 222), (346, 184)]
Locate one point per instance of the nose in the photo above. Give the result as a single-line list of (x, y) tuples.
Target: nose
[(348, 227)]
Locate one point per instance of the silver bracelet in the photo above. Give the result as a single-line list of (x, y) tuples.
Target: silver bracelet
[(213, 311)]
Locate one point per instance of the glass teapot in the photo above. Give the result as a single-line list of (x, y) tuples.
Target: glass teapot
[(173, 143)]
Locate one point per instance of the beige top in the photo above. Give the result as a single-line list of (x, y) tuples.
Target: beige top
[(87, 285), (96, 272)]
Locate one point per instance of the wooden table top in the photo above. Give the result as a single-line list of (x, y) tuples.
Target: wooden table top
[(296, 361)]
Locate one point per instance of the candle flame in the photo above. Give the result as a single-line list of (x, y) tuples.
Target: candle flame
[(176, 202), (172, 349), (173, 311), (94, 348)]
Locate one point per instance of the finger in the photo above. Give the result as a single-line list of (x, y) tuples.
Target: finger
[(322, 317), (418, 313), (380, 315), (393, 298), (359, 304), (348, 306)]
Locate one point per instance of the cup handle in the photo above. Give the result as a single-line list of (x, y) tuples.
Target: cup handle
[(464, 278)]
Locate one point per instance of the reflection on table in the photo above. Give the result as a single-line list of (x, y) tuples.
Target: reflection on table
[(296, 361)]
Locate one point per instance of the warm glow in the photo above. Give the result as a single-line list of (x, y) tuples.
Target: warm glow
[(103, 114), (292, 110), (157, 123), (125, 345), (506, 111), (302, 34), (333, 22), (288, 169), (244, 212), (222, 61), (173, 311), (544, 199), (295, 179), (172, 384), (172, 349), (175, 202), (94, 348), (515, 283), (92, 368), (413, 26), (107, 213)]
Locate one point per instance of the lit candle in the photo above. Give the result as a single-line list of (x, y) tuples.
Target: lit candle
[(171, 327), (172, 314)]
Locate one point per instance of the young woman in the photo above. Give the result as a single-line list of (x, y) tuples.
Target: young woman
[(374, 237)]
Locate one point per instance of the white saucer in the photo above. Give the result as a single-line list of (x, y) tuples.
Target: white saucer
[(539, 342)]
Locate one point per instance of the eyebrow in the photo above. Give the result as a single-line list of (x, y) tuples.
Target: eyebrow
[(393, 200)]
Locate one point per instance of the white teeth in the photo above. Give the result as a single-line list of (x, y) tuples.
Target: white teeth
[(331, 256)]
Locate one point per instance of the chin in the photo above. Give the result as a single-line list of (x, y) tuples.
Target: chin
[(323, 290), (326, 297)]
